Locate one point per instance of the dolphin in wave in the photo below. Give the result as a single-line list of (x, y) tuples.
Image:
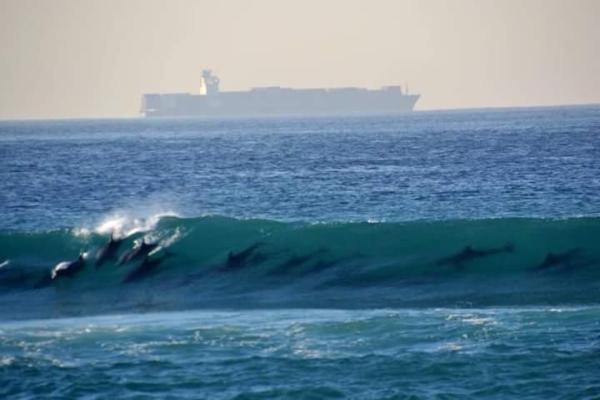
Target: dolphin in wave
[(295, 261), (108, 251), (146, 267), (68, 268), (243, 258), (142, 250), (569, 258), (469, 254)]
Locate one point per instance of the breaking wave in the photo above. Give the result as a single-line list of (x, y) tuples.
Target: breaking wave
[(219, 262)]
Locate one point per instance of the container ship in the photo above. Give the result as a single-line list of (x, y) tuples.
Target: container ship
[(276, 101)]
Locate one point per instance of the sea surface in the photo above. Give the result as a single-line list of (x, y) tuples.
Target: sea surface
[(430, 255)]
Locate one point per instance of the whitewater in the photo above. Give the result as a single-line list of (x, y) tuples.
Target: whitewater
[(427, 255)]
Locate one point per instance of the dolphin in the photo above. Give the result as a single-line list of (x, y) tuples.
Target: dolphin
[(145, 268), (469, 253), (559, 259), (241, 259), (45, 281), (12, 277), (137, 252), (323, 264), (295, 260), (108, 251), (68, 268)]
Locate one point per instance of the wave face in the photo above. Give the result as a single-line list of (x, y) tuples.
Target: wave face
[(218, 262)]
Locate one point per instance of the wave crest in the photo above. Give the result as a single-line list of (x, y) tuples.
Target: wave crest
[(224, 262)]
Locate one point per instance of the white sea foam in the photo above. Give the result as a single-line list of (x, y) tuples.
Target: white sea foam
[(163, 239), (6, 361), (124, 223)]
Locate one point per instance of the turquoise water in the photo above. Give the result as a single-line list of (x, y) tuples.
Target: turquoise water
[(514, 262), (297, 354), (427, 255)]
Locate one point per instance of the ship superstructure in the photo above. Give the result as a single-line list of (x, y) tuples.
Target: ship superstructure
[(275, 100)]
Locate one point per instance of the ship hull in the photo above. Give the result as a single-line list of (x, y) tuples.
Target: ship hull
[(279, 102)]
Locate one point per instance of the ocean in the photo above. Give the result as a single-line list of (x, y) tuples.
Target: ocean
[(435, 255)]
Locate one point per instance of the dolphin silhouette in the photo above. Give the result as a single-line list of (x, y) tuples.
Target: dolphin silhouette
[(469, 253), (295, 261), (108, 251), (243, 258), (137, 252), (68, 268), (323, 264), (566, 258), (290, 264), (146, 267), (12, 277)]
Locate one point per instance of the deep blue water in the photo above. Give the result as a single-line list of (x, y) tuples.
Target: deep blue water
[(435, 165), (427, 255)]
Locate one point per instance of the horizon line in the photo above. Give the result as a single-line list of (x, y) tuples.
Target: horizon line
[(431, 110)]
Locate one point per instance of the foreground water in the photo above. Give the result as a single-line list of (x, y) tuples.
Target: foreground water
[(428, 255), (299, 354)]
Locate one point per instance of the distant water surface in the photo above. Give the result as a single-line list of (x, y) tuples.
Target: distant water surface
[(425, 165)]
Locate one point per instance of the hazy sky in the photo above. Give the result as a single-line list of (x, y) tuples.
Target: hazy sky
[(83, 58)]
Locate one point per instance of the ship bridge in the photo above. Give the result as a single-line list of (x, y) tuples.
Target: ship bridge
[(209, 83)]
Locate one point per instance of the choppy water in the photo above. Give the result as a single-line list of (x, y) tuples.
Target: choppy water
[(432, 255), (523, 162), (299, 354)]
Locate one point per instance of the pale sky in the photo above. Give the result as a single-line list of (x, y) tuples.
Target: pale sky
[(84, 58)]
